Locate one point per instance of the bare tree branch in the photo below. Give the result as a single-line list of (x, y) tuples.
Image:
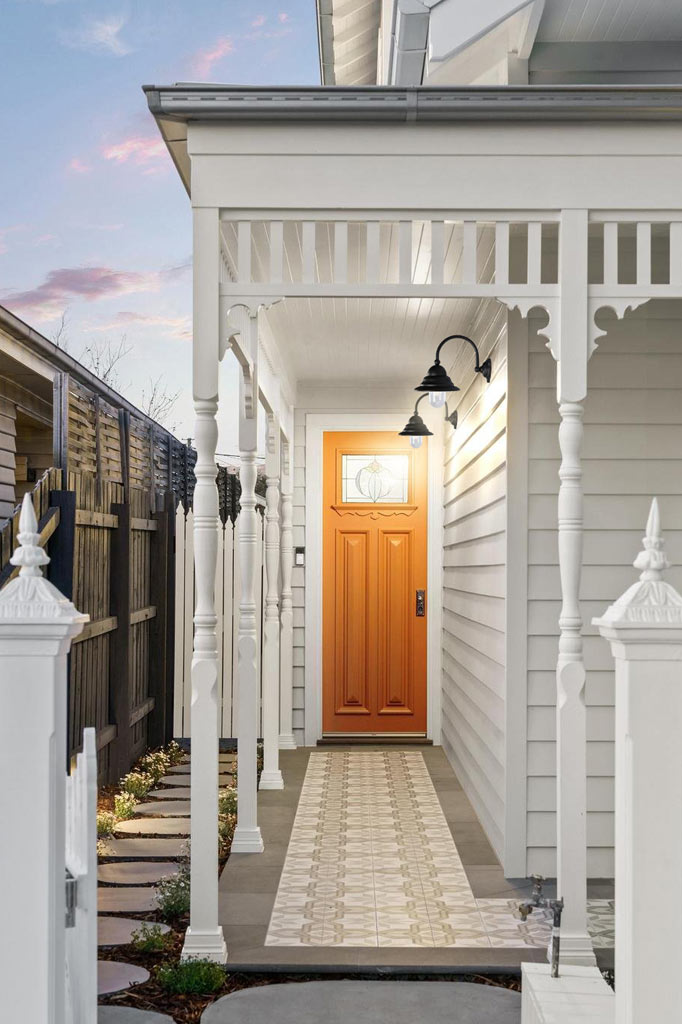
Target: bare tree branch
[(158, 402), (103, 357), (60, 336)]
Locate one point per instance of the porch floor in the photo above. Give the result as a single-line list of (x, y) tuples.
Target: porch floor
[(374, 858)]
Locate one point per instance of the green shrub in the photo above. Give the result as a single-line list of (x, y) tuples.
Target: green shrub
[(137, 783), (150, 938), (226, 826), (191, 977), (227, 801), (173, 894), (106, 823), (175, 752), (124, 806)]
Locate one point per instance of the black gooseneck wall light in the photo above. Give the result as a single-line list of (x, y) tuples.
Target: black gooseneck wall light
[(437, 383)]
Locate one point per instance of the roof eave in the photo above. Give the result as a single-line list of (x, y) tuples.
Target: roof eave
[(413, 103)]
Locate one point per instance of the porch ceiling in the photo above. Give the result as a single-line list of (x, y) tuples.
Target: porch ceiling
[(364, 341)]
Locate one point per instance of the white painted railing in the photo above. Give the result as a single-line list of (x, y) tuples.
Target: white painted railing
[(81, 865), (37, 626), (227, 591)]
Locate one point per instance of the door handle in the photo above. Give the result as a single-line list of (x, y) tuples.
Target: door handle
[(421, 604)]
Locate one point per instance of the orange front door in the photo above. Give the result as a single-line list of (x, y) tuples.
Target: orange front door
[(374, 564)]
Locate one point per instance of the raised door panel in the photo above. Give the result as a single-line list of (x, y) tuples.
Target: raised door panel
[(395, 648), (352, 644)]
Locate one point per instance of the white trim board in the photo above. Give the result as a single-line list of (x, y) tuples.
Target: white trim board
[(316, 425)]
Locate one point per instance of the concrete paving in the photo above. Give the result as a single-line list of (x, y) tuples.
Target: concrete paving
[(224, 779), (117, 931), (154, 827), (369, 1002), (120, 899), (141, 848), (113, 976), (166, 808), (128, 1015), (134, 873)]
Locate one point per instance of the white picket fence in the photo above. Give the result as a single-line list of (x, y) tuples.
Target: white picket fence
[(227, 589), (81, 865), (48, 940)]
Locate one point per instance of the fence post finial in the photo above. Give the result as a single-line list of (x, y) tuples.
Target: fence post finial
[(29, 554), (653, 559)]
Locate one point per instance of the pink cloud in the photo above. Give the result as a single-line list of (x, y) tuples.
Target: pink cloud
[(283, 16), (45, 239), (140, 150), (258, 21), (61, 287), (203, 60), (177, 327), (79, 166)]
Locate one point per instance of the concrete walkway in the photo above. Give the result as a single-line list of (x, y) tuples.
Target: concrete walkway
[(368, 1002)]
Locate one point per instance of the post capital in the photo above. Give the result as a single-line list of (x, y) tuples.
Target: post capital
[(650, 611)]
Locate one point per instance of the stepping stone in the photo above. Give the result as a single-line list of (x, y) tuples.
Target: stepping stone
[(154, 827), (180, 769), (165, 807), (135, 872), (224, 779), (373, 1002), (129, 1015), (117, 931), (113, 976), (178, 792), (144, 848), (137, 899)]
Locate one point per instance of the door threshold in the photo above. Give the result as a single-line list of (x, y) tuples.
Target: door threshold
[(404, 739)]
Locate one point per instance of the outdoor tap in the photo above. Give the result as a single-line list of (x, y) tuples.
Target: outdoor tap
[(537, 899)]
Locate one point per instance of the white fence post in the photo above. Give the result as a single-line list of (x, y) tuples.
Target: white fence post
[(37, 625), (644, 628), (81, 863)]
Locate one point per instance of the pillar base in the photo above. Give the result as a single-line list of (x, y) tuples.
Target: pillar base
[(271, 780), (287, 741), (204, 945), (247, 840), (575, 949)]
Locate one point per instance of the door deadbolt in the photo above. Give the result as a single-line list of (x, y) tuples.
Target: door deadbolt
[(421, 603)]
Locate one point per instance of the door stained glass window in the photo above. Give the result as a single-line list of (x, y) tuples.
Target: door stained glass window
[(375, 479)]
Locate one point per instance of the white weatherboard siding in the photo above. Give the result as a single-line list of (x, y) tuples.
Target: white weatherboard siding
[(473, 704), (632, 450)]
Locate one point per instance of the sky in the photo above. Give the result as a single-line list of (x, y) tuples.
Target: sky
[(94, 221)]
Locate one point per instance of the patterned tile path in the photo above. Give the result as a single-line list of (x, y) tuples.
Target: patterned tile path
[(372, 862)]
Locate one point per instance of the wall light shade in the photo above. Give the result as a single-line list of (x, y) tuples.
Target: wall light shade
[(437, 399), (415, 427), (437, 379), (416, 441)]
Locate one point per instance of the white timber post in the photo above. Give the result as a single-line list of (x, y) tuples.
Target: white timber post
[(271, 776), (247, 836), (644, 628), (204, 937), (571, 349), (286, 650), (37, 625)]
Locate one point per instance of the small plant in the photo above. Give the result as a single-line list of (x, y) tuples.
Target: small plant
[(124, 806), (226, 826), (150, 938), (156, 765), (227, 801), (172, 894), (175, 752), (137, 784), (106, 823), (191, 977)]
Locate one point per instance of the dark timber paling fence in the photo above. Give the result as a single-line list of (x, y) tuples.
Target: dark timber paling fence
[(107, 516)]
